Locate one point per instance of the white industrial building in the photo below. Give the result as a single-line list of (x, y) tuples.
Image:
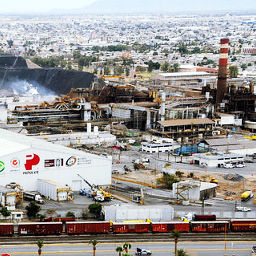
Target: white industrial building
[(193, 190), (216, 160), (121, 213), (24, 160)]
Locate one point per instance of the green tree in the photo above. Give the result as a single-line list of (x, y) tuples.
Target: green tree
[(70, 214), (168, 179), (94, 244), (40, 245), (126, 247), (119, 249), (10, 43), (32, 210), (165, 66), (183, 49), (127, 71), (243, 66), (106, 70), (233, 71), (175, 235), (181, 252), (118, 71), (196, 50), (175, 67), (5, 212), (95, 209)]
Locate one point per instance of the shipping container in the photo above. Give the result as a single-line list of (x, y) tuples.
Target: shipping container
[(198, 217), (54, 191), (6, 229), (209, 226), (166, 227), (40, 228), (240, 225), (131, 227), (77, 228)]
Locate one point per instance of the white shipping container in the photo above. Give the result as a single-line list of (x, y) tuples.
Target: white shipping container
[(53, 190), (123, 213)]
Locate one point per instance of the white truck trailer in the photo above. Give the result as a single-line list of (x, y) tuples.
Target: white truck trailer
[(33, 196), (54, 190)]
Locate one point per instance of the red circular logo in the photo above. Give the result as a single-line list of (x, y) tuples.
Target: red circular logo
[(15, 162)]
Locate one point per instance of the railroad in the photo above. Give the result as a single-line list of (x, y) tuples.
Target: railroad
[(68, 227)]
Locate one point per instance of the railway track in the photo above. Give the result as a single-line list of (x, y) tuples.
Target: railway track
[(129, 237)]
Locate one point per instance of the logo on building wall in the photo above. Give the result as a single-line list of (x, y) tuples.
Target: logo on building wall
[(71, 161), (31, 160), (15, 163), (2, 166), (53, 162)]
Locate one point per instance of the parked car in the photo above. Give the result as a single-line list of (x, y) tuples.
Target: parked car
[(142, 252), (145, 160), (228, 165), (243, 209), (240, 165), (253, 253)]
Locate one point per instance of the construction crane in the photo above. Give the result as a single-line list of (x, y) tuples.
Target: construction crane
[(97, 192)]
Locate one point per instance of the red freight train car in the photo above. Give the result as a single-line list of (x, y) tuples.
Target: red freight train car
[(165, 227), (243, 225), (40, 228), (76, 228), (131, 227), (198, 217), (209, 226), (6, 229)]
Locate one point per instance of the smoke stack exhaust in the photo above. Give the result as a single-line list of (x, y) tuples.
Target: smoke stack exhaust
[(223, 67)]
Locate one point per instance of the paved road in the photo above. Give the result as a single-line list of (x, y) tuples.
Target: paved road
[(241, 248)]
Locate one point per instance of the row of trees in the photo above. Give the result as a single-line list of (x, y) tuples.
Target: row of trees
[(124, 249)]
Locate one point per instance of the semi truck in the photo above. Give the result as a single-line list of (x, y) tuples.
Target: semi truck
[(33, 196)]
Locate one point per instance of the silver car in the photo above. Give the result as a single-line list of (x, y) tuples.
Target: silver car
[(142, 252)]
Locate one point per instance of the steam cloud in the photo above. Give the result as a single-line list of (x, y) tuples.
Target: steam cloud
[(23, 87)]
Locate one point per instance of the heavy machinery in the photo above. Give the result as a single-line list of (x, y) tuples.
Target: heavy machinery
[(214, 180), (98, 193), (247, 195), (138, 198)]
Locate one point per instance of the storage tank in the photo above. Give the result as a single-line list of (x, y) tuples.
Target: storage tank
[(54, 190)]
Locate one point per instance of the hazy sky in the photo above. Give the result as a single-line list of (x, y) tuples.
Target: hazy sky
[(40, 5)]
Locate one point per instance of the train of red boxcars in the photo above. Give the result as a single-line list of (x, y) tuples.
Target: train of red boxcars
[(202, 223)]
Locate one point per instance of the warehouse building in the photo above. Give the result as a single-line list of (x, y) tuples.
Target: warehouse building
[(24, 160)]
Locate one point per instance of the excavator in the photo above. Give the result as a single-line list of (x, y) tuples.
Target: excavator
[(97, 192)]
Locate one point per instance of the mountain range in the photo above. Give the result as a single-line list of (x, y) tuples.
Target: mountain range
[(165, 6)]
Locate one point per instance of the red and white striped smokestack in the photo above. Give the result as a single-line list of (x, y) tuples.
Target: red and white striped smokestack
[(223, 68)]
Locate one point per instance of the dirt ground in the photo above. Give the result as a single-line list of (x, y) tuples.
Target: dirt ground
[(227, 189)]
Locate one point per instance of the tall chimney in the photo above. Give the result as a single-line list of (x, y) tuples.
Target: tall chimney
[(223, 66)]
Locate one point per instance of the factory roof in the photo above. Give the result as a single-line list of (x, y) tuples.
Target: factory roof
[(218, 157), (12, 142), (184, 74), (53, 183), (180, 122)]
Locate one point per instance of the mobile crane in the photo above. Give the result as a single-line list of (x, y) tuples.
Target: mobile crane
[(97, 192)]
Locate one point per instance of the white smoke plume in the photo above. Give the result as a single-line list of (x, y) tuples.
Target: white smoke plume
[(25, 88)]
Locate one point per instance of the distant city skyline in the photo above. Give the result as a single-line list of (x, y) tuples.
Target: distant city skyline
[(108, 6)]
